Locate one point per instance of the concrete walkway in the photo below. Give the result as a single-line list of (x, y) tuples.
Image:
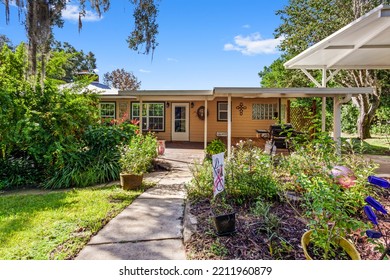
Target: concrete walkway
[(383, 162), (151, 228)]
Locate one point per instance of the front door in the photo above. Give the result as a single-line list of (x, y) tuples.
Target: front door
[(180, 122)]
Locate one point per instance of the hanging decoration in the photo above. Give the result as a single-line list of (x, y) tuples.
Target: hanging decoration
[(241, 108)]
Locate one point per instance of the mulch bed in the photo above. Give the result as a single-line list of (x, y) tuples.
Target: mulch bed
[(252, 242)]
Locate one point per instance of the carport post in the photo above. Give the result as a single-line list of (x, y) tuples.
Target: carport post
[(140, 115), (323, 108)]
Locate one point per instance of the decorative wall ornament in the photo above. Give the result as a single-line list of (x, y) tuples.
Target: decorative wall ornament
[(200, 112), (241, 108)]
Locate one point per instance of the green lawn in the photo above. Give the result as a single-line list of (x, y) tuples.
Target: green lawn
[(377, 145), (56, 225)]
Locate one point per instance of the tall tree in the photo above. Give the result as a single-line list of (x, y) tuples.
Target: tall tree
[(121, 79), (306, 22), (42, 15), (77, 60)]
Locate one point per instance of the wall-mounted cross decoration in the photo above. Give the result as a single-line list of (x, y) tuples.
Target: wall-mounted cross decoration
[(241, 108)]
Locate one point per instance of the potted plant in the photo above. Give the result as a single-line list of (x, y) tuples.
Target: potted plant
[(136, 158)]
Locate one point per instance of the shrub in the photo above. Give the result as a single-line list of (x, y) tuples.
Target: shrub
[(248, 175), (18, 172), (137, 157), (94, 160)]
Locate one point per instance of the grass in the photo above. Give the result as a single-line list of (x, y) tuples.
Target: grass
[(377, 145), (56, 225)]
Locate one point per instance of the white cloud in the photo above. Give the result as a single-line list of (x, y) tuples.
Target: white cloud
[(246, 26), (253, 44), (144, 71), (170, 59), (72, 13)]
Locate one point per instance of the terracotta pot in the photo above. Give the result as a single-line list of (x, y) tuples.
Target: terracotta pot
[(161, 147), (130, 181), (348, 247)]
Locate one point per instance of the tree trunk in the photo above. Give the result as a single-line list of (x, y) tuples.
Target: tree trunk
[(368, 104)]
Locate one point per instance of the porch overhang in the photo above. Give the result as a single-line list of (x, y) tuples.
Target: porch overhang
[(289, 92)]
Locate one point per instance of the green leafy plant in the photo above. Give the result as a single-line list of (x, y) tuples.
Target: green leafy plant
[(215, 147), (137, 157), (248, 174)]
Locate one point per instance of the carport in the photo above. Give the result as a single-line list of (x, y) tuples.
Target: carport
[(363, 44)]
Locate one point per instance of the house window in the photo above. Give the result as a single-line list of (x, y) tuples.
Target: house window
[(222, 111), (107, 110), (264, 111), (152, 115), (123, 112)]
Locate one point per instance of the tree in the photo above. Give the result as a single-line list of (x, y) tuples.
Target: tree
[(306, 22), (76, 61), (4, 40), (42, 15), (121, 79)]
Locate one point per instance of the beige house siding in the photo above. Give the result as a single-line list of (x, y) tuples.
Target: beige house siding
[(242, 125)]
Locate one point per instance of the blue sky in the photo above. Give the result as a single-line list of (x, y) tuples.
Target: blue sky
[(202, 43)]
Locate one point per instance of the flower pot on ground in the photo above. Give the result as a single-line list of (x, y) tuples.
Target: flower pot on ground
[(225, 223), (345, 245), (130, 181), (223, 215), (136, 159)]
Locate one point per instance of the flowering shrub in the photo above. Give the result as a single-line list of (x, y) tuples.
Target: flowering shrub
[(137, 157)]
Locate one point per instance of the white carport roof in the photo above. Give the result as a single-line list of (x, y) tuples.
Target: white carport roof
[(362, 44)]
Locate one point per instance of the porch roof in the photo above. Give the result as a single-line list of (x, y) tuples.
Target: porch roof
[(244, 92), (290, 92), (362, 44)]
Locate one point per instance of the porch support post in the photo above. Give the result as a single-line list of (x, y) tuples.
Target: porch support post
[(205, 124), (229, 136), (337, 120), (323, 108), (140, 114)]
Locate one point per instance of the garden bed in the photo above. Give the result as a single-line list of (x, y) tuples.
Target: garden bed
[(252, 241)]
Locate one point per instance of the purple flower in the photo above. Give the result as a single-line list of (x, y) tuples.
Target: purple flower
[(375, 204), (370, 215), (373, 234)]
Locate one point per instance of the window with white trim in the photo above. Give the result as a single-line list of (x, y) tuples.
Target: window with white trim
[(264, 111), (153, 115), (107, 110), (222, 111)]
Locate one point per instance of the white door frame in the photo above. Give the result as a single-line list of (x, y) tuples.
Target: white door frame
[(181, 136)]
